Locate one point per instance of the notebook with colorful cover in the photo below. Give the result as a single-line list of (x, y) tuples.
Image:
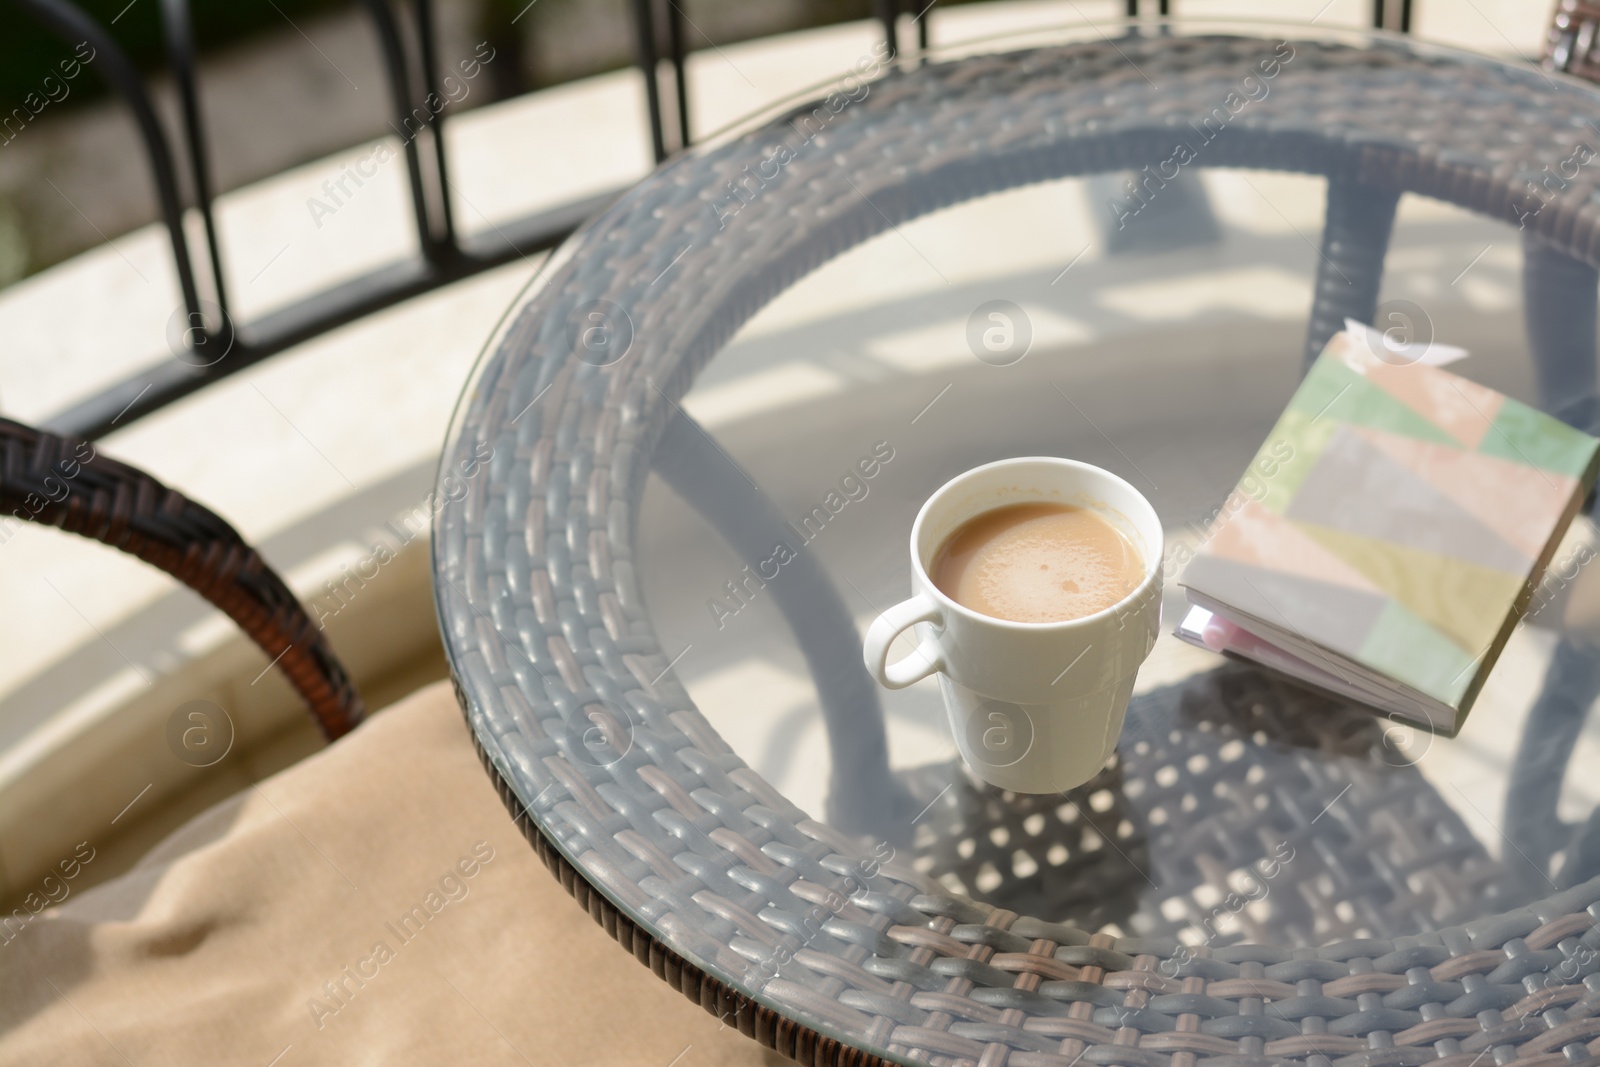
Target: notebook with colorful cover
[(1386, 538)]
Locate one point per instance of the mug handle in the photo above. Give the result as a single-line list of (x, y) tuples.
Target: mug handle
[(926, 659)]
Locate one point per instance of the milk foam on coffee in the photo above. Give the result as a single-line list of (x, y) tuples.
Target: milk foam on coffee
[(1037, 562)]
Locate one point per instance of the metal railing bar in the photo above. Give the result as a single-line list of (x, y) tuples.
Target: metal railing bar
[(680, 77), (72, 24), (888, 13), (155, 386), (178, 32), (430, 90), (644, 37), (394, 58), (1379, 11)]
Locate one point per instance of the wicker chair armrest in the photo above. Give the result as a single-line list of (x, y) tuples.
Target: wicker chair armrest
[(68, 483)]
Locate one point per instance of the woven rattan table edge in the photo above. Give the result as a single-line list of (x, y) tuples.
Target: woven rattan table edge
[(754, 1020)]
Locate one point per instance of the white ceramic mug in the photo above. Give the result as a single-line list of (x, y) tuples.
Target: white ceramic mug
[(1035, 707)]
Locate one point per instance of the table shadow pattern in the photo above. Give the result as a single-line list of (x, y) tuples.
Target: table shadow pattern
[(1239, 808)]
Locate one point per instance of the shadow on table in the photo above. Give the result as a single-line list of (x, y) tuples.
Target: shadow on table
[(1239, 808)]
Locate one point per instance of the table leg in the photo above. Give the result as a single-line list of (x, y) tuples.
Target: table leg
[(1554, 723), (863, 797), (1355, 236), (1560, 296)]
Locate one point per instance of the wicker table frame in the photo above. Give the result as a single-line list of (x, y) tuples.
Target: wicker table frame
[(796, 934)]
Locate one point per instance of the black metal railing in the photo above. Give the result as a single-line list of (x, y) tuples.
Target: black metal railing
[(213, 345), (1392, 16)]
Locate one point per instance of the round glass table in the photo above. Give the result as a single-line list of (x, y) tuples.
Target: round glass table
[(683, 475)]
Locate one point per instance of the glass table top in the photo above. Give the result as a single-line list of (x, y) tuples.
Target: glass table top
[(735, 358), (1162, 351)]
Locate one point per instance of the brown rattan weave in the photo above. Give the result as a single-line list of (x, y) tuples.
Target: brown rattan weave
[(69, 484), (836, 949)]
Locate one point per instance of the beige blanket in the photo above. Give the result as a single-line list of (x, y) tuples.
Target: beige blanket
[(373, 904)]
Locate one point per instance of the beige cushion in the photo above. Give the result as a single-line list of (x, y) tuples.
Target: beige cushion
[(373, 904)]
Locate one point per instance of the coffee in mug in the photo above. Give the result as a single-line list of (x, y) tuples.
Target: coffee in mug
[(1037, 562), (1036, 676)]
